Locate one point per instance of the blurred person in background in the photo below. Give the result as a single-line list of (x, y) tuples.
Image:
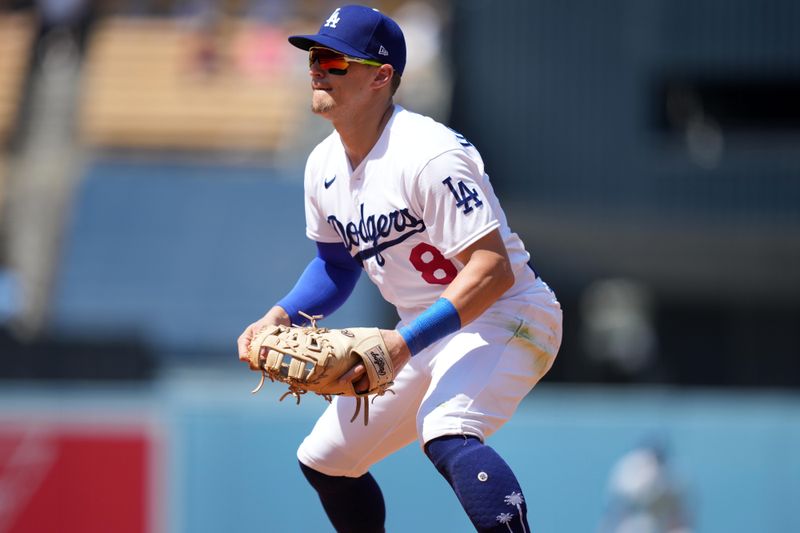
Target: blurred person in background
[(618, 331), (427, 78), (409, 199), (645, 497)]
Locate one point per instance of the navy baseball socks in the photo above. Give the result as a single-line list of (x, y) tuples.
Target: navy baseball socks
[(353, 505), (482, 481), (484, 484)]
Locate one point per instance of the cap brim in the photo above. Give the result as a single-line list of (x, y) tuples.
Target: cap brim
[(304, 42)]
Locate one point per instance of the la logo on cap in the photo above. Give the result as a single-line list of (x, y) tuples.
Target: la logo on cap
[(361, 32), (333, 20)]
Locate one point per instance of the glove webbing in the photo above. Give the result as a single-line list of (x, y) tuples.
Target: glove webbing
[(297, 391)]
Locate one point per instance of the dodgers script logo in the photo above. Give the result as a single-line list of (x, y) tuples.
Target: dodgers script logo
[(381, 231)]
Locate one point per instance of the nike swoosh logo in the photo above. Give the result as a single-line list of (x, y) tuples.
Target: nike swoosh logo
[(329, 182)]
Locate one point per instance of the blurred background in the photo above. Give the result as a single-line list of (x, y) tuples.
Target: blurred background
[(151, 161)]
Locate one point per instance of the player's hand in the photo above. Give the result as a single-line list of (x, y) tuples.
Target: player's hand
[(274, 316), (398, 352)]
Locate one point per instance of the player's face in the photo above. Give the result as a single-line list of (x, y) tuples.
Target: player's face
[(337, 82)]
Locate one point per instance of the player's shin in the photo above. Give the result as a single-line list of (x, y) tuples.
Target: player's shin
[(483, 482), (353, 505)]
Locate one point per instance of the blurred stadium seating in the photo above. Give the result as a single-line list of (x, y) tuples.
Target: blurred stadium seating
[(180, 123), (16, 39), (163, 83), (183, 255), (599, 173)]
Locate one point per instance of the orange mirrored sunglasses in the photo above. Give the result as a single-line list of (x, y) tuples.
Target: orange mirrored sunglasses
[(335, 62)]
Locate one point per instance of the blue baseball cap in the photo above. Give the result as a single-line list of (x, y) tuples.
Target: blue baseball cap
[(362, 32)]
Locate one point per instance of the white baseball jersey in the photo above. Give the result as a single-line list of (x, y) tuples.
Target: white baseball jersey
[(419, 198)]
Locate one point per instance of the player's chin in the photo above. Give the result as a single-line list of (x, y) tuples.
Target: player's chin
[(321, 102)]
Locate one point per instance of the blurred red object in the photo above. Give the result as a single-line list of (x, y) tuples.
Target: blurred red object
[(76, 479)]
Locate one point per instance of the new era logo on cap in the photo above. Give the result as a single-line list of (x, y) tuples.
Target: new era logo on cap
[(359, 31)]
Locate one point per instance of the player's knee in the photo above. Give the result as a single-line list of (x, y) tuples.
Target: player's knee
[(323, 482)]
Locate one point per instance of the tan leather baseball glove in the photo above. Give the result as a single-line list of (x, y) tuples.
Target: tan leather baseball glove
[(313, 359)]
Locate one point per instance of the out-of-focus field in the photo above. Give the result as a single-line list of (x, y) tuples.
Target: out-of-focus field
[(216, 458)]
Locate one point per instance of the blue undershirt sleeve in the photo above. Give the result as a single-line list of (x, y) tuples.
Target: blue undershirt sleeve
[(324, 285)]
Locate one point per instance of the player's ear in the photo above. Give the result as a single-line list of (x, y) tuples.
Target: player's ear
[(383, 76)]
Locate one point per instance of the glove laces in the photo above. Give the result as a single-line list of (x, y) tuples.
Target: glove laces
[(296, 390)]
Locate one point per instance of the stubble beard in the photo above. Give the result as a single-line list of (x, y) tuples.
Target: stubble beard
[(321, 103)]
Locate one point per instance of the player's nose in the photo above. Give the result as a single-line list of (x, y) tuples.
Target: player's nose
[(315, 71)]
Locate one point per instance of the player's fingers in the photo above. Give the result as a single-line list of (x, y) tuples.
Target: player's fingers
[(243, 344), (352, 375), (362, 384)]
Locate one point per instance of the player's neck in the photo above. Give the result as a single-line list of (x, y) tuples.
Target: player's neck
[(361, 131)]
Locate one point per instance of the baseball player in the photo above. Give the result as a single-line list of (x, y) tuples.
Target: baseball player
[(406, 200)]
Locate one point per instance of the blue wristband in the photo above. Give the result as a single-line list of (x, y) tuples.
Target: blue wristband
[(435, 323)]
